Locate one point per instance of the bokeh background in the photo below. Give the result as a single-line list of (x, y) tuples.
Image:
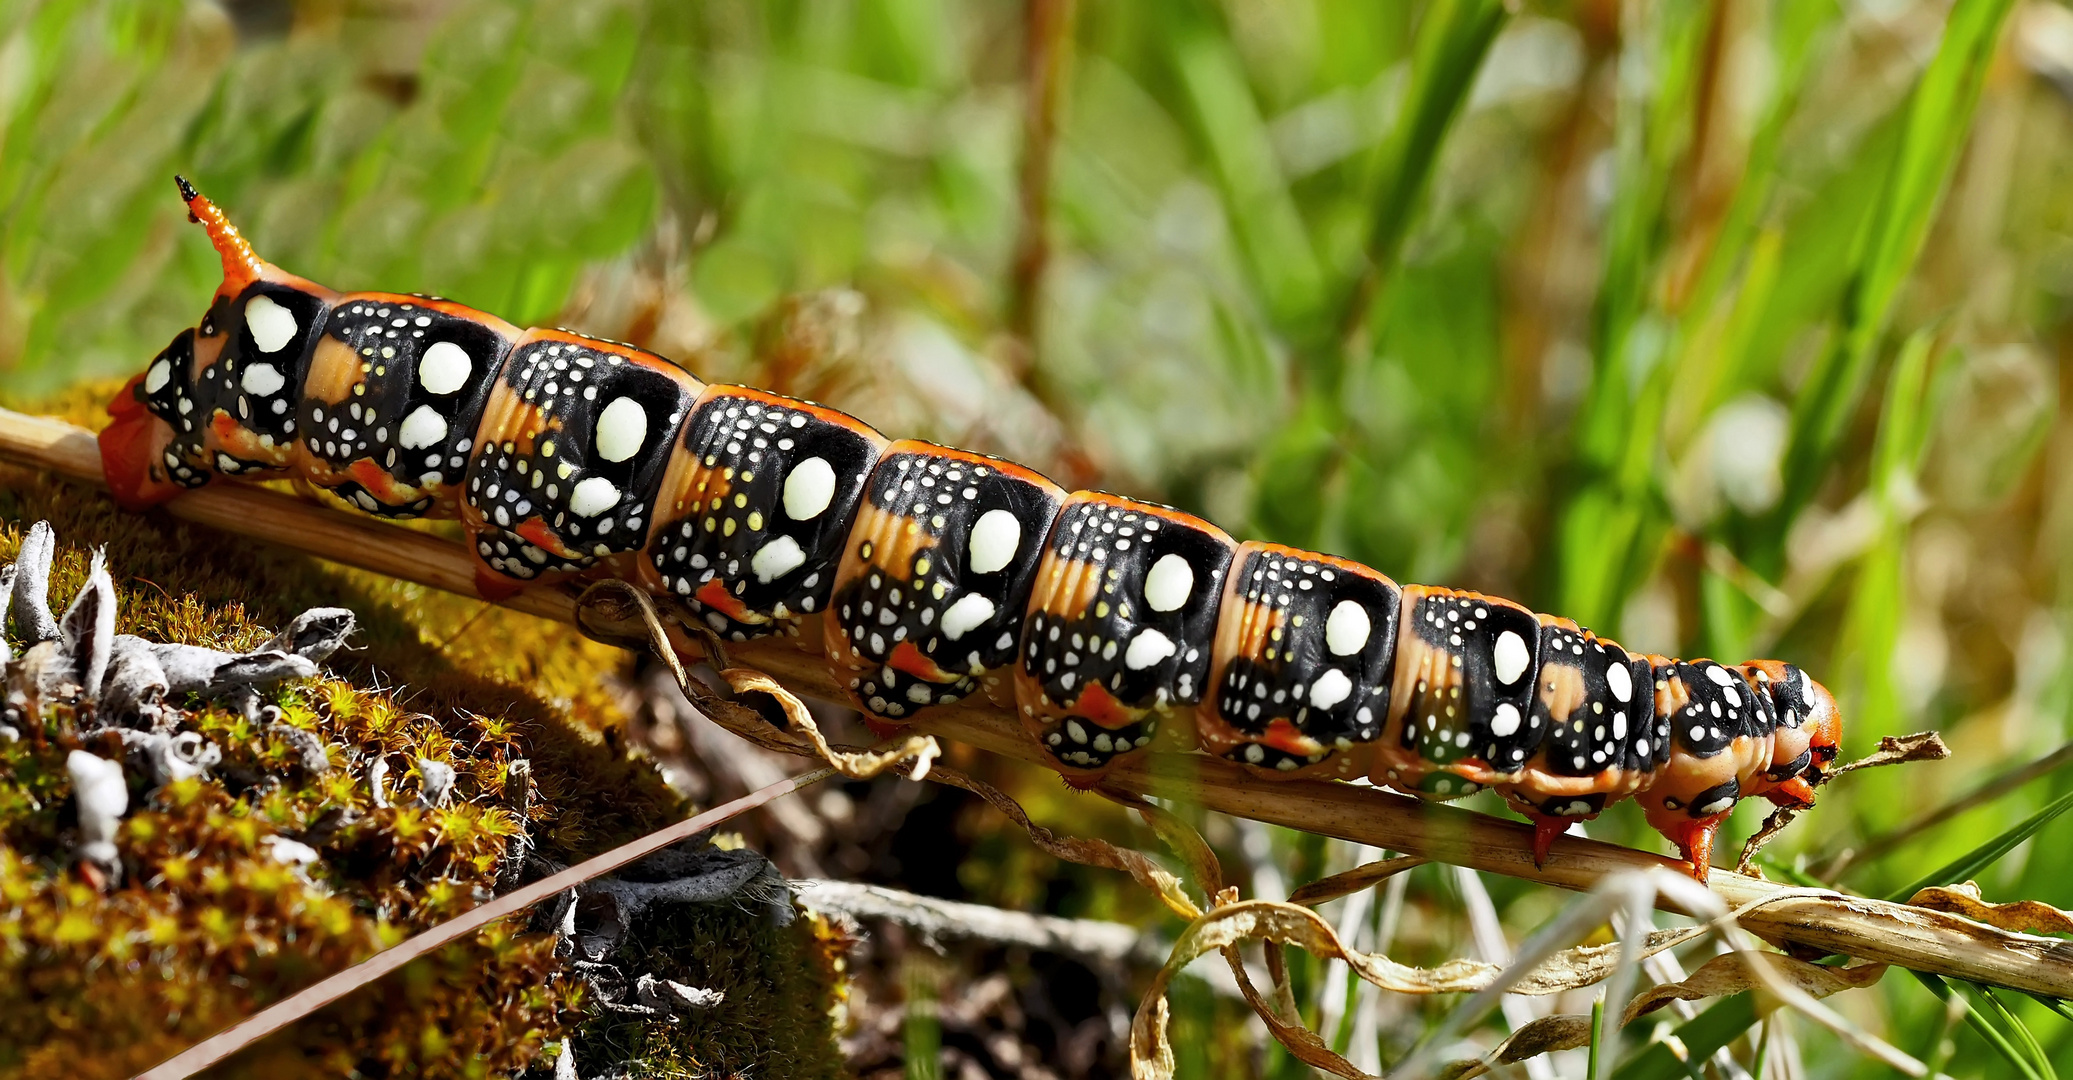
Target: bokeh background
[(1726, 328)]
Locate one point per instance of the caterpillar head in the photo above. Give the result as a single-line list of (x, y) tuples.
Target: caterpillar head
[(1810, 726), (180, 422)]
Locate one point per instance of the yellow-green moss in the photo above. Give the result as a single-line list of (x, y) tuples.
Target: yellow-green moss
[(208, 926)]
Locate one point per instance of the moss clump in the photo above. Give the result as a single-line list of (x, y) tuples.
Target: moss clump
[(214, 918)]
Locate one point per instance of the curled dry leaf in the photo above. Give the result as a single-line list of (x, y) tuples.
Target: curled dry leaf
[(2021, 916), (1900, 750), (857, 765), (1307, 1046), (1729, 973), (1178, 835), (1288, 924), (1098, 853), (1563, 1031), (1364, 876), (612, 600)]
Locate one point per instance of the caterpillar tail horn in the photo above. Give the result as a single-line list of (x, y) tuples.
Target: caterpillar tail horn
[(241, 266)]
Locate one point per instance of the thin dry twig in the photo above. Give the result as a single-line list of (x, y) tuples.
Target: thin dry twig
[(1868, 929), (1893, 750), (1090, 940), (302, 1003), (1984, 792)]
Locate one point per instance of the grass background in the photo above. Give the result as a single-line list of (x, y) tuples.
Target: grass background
[(1728, 329)]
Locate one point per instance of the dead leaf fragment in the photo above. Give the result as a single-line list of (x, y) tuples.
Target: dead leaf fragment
[(2020, 916)]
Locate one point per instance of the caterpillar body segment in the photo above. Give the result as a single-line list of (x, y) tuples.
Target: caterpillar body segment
[(1302, 672), (755, 508), (938, 569), (1104, 622), (1119, 630)]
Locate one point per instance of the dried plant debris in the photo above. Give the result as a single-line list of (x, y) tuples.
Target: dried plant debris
[(82, 665), (188, 833), (2020, 916)]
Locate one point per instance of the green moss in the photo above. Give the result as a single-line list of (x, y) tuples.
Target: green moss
[(207, 926)]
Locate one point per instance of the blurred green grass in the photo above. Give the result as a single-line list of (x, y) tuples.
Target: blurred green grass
[(1726, 328)]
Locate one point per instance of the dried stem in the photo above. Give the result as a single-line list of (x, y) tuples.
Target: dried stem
[(1047, 48), (1093, 940), (1928, 941)]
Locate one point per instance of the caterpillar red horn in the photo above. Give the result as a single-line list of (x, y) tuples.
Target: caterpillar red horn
[(1107, 623)]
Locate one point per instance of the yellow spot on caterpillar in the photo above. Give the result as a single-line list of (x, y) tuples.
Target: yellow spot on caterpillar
[(755, 519), (727, 528), (921, 567), (741, 499), (1101, 609)]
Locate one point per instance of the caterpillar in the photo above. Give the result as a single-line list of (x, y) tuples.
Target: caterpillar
[(1104, 622)]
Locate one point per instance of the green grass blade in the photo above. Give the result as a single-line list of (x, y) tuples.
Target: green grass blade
[(1986, 1016), (1702, 1035), (1937, 126), (1280, 260), (1453, 39), (1983, 856)]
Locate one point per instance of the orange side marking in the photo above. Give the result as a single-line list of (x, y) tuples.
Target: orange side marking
[(535, 532), (713, 594), (910, 660), (1097, 704)]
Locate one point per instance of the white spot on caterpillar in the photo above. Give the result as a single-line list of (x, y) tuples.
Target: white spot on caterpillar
[(1167, 587), (971, 610), (272, 325), (423, 427), (1510, 657), (592, 497), (1719, 675), (809, 489), (444, 368), (621, 429), (1621, 680), (155, 379), (771, 561), (1148, 647), (1346, 630), (1506, 720), (995, 538), (1331, 688), (262, 380)]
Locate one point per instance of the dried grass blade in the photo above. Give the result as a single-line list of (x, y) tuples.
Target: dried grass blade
[(1364, 876), (2021, 916)]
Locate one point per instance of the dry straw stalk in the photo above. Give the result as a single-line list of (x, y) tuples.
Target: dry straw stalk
[(1826, 922)]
